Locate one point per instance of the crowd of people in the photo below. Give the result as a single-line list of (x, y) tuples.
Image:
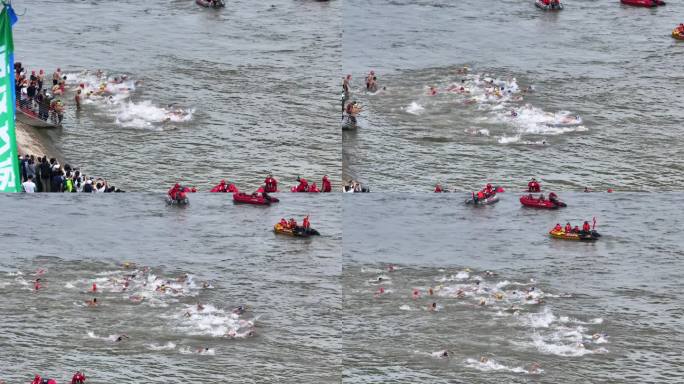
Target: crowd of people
[(40, 174), (32, 94)]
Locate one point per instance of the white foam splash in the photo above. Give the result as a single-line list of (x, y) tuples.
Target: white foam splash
[(414, 108), (492, 365), (165, 347)]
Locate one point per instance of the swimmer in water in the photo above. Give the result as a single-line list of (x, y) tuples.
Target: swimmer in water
[(205, 285), (431, 292), (379, 292), (36, 285), (200, 307), (121, 338), (92, 303), (94, 288), (484, 359), (483, 302), (416, 294), (534, 368), (460, 294), (432, 91), (432, 307), (390, 268), (239, 310)]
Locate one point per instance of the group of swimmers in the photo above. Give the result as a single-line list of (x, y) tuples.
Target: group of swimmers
[(526, 295), (352, 109)]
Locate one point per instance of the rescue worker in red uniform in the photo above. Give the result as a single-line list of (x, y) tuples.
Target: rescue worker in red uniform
[(78, 378), (438, 188), (270, 184), (325, 183), (558, 228), (568, 228), (303, 185), (221, 187), (174, 191), (586, 227), (305, 222), (533, 186)]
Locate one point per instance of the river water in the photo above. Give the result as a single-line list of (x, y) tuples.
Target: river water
[(611, 65), (254, 88), (624, 289), (291, 287)]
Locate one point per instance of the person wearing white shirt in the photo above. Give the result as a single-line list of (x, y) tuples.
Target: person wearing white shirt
[(29, 186)]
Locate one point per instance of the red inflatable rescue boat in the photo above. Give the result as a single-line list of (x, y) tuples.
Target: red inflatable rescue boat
[(243, 198), (531, 201), (643, 3)]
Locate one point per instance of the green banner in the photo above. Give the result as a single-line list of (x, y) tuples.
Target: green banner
[(10, 180)]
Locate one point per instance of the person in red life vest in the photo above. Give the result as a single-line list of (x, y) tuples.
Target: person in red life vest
[(36, 285), (221, 187), (558, 228), (305, 222), (546, 2), (568, 228), (533, 186), (94, 287), (438, 188), (37, 380), (610, 190), (283, 223), (480, 196), (303, 185), (292, 224), (232, 188), (314, 188), (680, 29), (51, 381), (270, 184), (489, 190), (586, 227), (173, 192), (325, 183), (78, 378)]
